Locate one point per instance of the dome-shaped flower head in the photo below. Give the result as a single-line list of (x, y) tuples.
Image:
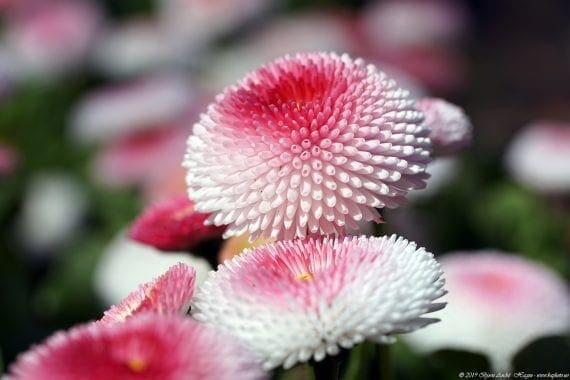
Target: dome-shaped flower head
[(173, 225), (170, 293), (308, 144), (539, 156), (300, 299), (498, 303), (147, 346), (451, 130)]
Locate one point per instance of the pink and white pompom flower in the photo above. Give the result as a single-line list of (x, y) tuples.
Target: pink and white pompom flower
[(145, 347), (539, 156), (498, 303), (451, 129), (300, 299), (168, 294), (308, 144)]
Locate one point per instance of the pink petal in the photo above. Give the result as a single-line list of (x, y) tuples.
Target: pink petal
[(173, 225), (167, 294)]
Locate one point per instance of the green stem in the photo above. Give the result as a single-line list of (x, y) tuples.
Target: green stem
[(384, 368), (327, 369)]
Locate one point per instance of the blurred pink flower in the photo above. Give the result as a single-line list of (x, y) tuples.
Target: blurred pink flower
[(412, 23), (168, 294), (439, 69), (498, 303), (294, 300), (146, 346), (142, 104), (173, 225), (539, 156), (52, 37), (308, 144), (8, 160), (166, 183), (134, 158), (193, 23), (326, 30), (451, 129), (417, 37)]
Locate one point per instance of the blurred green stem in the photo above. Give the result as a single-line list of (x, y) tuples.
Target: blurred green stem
[(384, 368), (327, 369)]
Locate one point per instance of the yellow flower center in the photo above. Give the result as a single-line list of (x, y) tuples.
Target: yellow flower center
[(137, 364), (305, 276)]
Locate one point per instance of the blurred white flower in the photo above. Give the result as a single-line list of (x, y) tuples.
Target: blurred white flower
[(441, 171), (539, 156), (126, 264), (52, 209), (50, 38), (138, 105), (135, 46), (497, 303)]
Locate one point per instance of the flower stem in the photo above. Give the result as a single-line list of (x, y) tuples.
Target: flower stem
[(384, 369), (327, 369)]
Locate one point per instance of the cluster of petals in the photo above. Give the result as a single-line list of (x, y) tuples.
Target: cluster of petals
[(308, 144), (146, 346), (539, 154), (172, 225), (294, 300), (451, 130), (498, 303), (170, 293)]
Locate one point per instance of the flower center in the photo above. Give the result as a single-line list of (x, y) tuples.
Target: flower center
[(137, 364), (304, 276)]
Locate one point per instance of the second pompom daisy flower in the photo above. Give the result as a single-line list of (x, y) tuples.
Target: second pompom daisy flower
[(308, 144), (300, 299)]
